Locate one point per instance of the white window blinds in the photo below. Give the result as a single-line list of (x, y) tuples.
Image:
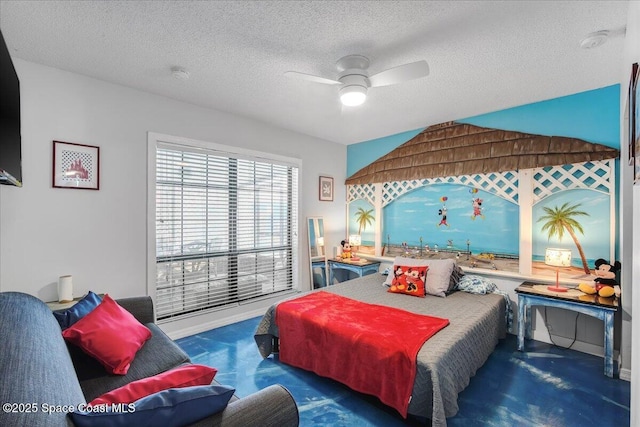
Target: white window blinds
[(225, 229)]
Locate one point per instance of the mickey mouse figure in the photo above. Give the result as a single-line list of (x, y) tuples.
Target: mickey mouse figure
[(346, 249), (605, 284)]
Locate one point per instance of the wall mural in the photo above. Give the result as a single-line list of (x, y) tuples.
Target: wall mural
[(481, 229), (577, 220), (488, 219)]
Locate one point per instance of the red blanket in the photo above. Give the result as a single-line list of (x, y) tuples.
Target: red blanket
[(371, 348)]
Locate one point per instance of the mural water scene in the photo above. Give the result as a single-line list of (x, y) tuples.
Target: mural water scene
[(444, 215), (481, 229)]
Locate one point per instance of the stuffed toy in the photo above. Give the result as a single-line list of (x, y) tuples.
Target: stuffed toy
[(346, 249), (605, 283)]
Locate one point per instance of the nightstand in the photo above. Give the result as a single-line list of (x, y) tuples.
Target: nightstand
[(55, 305), (531, 293), (361, 267)]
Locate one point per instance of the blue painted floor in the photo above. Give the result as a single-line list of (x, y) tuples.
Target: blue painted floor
[(546, 386)]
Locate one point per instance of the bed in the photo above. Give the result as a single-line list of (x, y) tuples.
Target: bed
[(447, 360)]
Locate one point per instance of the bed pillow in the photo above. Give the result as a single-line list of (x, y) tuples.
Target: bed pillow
[(439, 277), (109, 334), (76, 312), (408, 280), (182, 376), (456, 275), (168, 408), (476, 285)]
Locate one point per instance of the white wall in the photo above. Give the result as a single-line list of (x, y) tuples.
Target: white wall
[(99, 237), (631, 218)]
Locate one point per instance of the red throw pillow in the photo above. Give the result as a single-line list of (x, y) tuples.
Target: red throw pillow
[(182, 376), (409, 280), (110, 334)]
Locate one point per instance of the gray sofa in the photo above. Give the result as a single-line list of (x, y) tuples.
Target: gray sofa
[(41, 376)]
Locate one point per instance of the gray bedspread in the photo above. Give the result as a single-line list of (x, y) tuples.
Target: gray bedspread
[(448, 360)]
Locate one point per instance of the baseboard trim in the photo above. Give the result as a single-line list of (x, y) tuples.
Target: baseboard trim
[(212, 324), (625, 374)]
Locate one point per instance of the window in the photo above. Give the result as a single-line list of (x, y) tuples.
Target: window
[(225, 228)]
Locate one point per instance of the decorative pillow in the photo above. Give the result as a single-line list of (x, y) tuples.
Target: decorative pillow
[(168, 408), (182, 376), (109, 334), (439, 276), (456, 275), (476, 285), (408, 280), (76, 312)]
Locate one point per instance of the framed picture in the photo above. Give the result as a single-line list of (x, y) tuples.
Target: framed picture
[(326, 189), (635, 114), (76, 166), (633, 133)]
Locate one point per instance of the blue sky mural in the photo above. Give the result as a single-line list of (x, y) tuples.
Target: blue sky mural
[(493, 229), (415, 215), (596, 238)]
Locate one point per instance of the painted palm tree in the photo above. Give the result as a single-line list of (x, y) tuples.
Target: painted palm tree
[(559, 219), (363, 218)]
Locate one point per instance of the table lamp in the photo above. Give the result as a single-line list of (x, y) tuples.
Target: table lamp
[(557, 258), (355, 240)]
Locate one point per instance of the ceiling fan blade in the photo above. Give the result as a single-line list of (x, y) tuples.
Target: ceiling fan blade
[(399, 74), (311, 78)]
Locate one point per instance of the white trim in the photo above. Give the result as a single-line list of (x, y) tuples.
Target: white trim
[(224, 149), (206, 326), (525, 202), (612, 211), (151, 215), (625, 374), (378, 238), (154, 140)]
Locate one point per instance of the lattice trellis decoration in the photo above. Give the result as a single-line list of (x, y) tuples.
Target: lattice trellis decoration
[(502, 184), (596, 175), (361, 191)]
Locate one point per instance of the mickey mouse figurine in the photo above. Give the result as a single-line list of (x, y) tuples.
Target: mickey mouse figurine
[(346, 249), (605, 284)]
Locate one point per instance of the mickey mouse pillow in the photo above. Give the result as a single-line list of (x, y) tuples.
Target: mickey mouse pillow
[(409, 280)]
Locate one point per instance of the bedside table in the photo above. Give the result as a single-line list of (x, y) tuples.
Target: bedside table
[(531, 293), (55, 305), (361, 267)]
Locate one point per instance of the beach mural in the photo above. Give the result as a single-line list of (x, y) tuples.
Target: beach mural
[(447, 216), (577, 220), (507, 195), (481, 229)]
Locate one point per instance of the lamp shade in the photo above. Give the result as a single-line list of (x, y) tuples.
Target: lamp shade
[(557, 257), (355, 240), (320, 241), (353, 95)]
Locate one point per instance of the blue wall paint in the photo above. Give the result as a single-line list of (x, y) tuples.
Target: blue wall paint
[(363, 153), (592, 115)]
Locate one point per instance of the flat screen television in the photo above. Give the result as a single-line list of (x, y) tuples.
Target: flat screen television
[(10, 138)]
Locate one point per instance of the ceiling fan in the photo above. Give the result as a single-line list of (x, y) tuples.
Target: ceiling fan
[(355, 80)]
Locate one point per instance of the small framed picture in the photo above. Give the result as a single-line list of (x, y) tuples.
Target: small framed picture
[(633, 121), (326, 189), (76, 166), (634, 116)]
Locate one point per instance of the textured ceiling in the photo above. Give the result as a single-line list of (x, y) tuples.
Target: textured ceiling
[(484, 56)]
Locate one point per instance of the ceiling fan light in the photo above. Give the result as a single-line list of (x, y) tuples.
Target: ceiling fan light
[(352, 96)]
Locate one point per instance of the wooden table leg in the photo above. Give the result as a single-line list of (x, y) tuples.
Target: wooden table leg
[(522, 322), (608, 344)]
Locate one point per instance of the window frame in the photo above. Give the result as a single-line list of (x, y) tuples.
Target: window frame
[(156, 140)]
